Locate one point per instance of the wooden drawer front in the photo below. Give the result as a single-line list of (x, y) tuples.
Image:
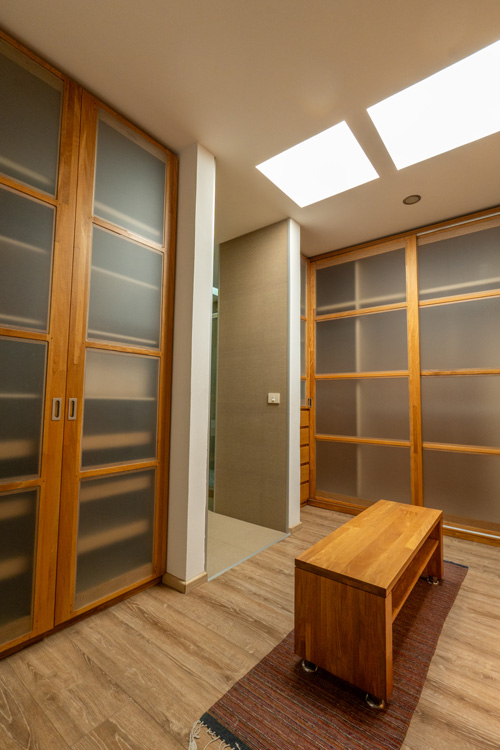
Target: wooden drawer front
[(304, 454), (304, 435), (304, 473), (304, 418), (304, 492)]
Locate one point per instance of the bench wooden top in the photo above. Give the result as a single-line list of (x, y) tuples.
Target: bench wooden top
[(372, 550)]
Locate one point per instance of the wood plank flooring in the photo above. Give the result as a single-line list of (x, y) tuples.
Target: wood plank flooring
[(138, 675)]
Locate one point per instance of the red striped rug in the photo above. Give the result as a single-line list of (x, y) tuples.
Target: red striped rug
[(276, 706)]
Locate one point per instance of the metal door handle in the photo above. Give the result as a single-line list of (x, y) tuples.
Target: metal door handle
[(72, 408), (56, 409)]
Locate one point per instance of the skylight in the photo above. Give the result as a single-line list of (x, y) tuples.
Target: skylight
[(324, 165), (455, 106)]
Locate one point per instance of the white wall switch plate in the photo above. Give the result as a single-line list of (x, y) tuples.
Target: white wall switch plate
[(273, 398)]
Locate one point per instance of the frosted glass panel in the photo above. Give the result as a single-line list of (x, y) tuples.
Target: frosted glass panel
[(115, 534), (363, 408), (460, 265), (129, 184), (30, 106), (463, 484), (125, 291), (369, 472), (18, 515), (26, 240), (303, 287), (369, 343), (22, 388), (303, 348), (119, 421), (303, 393), (368, 282), (460, 335), (461, 410)]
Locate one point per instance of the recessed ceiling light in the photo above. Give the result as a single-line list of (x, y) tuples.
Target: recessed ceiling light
[(455, 106), (410, 199), (324, 165)]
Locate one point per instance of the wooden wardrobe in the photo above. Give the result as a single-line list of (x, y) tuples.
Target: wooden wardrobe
[(87, 237)]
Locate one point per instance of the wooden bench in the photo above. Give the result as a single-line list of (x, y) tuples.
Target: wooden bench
[(350, 586)]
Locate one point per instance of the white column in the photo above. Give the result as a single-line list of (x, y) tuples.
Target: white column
[(293, 488), (188, 478)]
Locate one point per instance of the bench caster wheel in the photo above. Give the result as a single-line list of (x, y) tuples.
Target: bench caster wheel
[(374, 702), (309, 667), (433, 580)]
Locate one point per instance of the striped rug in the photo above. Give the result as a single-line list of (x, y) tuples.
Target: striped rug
[(276, 706)]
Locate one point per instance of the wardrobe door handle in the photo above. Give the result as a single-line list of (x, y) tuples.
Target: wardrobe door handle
[(56, 409), (72, 409)]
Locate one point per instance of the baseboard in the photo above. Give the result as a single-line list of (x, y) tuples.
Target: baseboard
[(295, 528), (183, 586)]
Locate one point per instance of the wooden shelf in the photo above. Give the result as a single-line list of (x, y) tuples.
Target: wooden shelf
[(11, 449), (115, 440), (19, 245), (100, 539), (17, 507), (122, 486), (404, 586), (14, 566), (123, 277)]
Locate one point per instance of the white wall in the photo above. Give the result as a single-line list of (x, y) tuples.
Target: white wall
[(293, 489), (188, 480)]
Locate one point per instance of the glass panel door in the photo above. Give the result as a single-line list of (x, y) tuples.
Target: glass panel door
[(33, 334), (114, 378)]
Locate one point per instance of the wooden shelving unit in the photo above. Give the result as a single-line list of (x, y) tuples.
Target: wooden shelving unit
[(127, 444)]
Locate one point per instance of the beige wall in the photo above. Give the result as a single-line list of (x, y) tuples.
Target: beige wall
[(251, 436)]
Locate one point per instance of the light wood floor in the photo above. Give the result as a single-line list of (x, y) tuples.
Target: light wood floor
[(138, 675)]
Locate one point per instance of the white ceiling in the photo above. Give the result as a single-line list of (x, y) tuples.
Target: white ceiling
[(250, 78)]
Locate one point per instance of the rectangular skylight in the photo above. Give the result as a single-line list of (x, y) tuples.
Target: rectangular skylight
[(455, 106), (324, 165)]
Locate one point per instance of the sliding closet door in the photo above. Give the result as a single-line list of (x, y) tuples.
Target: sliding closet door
[(39, 125), (361, 383), (113, 519), (459, 290)]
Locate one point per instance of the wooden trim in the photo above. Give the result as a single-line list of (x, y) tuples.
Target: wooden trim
[(28, 53), (361, 311), (362, 441), (48, 522), (471, 535), (453, 448), (20, 187), (336, 505), (109, 347), (117, 229), (28, 640), (111, 469), (459, 229), (487, 213), (165, 391), (415, 405), (459, 373), (13, 486), (453, 299), (357, 252), (360, 375), (137, 130), (310, 372), (125, 582), (184, 587), (75, 384), (18, 334)]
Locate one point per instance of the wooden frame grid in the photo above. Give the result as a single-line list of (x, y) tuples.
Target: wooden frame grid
[(463, 527), (66, 342)]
